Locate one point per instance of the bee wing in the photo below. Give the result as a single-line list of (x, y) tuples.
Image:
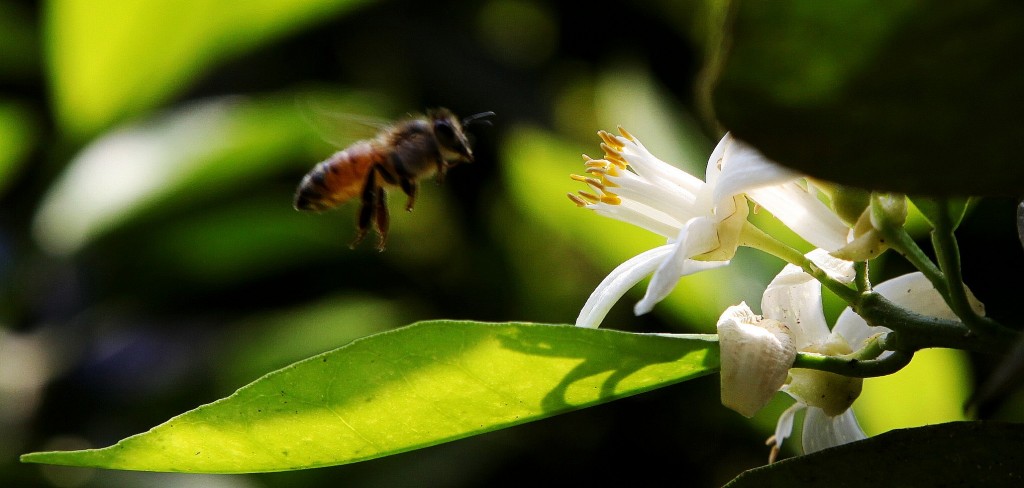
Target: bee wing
[(337, 127)]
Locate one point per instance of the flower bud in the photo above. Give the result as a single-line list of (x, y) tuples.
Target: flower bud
[(756, 355), (888, 210)]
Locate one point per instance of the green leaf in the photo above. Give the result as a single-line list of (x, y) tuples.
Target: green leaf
[(953, 454), (113, 60), (920, 97), (413, 387), (933, 209)]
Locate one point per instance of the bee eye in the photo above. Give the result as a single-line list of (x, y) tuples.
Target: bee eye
[(443, 129), (445, 133)]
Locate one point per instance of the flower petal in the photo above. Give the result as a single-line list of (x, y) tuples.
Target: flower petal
[(698, 236), (742, 169), (650, 167), (617, 283), (641, 216), (912, 291), (804, 213), (756, 355), (784, 427), (794, 298), (822, 432)]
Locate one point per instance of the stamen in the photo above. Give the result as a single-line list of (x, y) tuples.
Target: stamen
[(577, 200), (612, 156), (589, 197), (593, 182), (626, 134), (774, 454), (611, 140)]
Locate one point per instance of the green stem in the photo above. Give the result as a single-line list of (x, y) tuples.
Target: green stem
[(854, 367), (913, 331), (862, 281), (900, 241), (752, 236), (948, 254)]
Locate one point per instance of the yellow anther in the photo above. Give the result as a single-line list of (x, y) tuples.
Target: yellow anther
[(611, 199), (606, 183), (611, 140), (589, 197), (577, 200), (597, 185), (615, 158), (626, 134)]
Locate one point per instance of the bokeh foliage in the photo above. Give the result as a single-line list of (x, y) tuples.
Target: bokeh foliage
[(150, 261)]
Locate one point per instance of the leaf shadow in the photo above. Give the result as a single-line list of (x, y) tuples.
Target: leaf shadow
[(632, 353)]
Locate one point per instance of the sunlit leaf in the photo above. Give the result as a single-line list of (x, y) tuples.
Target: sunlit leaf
[(273, 340), (954, 454), (112, 59), (187, 154), (404, 389), (920, 97)]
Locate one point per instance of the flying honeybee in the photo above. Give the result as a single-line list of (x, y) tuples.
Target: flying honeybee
[(399, 156)]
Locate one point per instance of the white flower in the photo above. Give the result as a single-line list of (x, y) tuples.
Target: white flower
[(702, 221), (793, 298), (756, 354)]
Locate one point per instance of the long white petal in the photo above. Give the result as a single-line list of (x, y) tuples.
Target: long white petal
[(617, 283), (794, 298), (671, 200), (804, 213), (912, 291), (650, 167), (698, 236), (822, 432), (837, 269), (641, 216), (784, 427), (745, 169)]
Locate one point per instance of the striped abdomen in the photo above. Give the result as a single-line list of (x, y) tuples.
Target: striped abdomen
[(337, 179)]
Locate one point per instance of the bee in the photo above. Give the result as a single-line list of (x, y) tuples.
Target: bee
[(400, 156)]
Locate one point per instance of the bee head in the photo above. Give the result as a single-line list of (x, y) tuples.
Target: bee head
[(449, 134)]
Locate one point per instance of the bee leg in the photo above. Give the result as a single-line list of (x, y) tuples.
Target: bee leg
[(382, 220), (367, 209), (442, 169), (410, 187)]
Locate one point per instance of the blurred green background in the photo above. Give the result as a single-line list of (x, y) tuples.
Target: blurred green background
[(150, 260)]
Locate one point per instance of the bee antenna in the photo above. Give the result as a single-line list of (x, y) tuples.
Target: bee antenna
[(479, 118)]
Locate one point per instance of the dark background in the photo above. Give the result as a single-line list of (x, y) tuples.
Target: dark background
[(218, 281)]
